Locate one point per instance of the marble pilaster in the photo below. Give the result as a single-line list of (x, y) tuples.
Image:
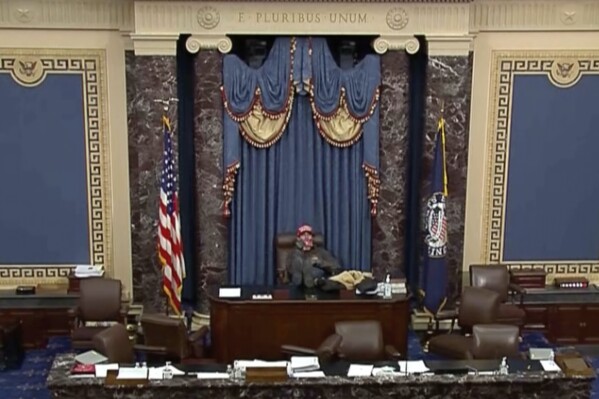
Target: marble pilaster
[(449, 80), (148, 78), (389, 225), (211, 225)]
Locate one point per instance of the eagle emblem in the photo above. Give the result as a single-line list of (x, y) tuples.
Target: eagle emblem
[(27, 68), (564, 69), (436, 226)]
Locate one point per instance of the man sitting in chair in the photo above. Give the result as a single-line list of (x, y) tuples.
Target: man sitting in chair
[(308, 264)]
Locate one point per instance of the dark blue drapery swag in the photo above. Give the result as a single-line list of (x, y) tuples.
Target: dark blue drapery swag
[(298, 97)]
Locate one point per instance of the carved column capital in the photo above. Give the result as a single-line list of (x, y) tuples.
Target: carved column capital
[(196, 43), (155, 44), (383, 44)]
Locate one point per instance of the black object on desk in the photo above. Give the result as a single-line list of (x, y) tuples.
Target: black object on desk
[(25, 290)]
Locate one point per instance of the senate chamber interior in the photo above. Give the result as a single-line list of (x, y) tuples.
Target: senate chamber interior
[(297, 198)]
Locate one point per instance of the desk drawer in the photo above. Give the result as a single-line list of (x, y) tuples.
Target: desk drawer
[(536, 318)]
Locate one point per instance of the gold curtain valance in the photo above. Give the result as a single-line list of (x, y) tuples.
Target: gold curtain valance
[(258, 126), (341, 128)]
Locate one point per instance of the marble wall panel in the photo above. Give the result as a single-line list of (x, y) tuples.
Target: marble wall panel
[(148, 78), (211, 225), (449, 81), (388, 232)]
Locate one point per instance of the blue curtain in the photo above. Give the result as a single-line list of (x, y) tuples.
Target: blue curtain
[(301, 178)]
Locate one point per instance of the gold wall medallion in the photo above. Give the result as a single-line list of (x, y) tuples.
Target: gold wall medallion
[(28, 71), (565, 72)]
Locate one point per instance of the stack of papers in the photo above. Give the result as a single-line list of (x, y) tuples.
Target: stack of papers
[(84, 271), (90, 357), (304, 363)]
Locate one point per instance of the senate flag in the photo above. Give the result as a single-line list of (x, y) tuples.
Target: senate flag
[(170, 249), (434, 272)]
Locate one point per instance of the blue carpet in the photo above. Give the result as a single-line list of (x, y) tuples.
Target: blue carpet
[(29, 382)]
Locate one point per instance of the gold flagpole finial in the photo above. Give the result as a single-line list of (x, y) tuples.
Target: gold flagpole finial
[(166, 104), (442, 108)]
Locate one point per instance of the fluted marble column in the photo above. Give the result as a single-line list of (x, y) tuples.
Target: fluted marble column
[(449, 80), (211, 226), (148, 78), (389, 224)]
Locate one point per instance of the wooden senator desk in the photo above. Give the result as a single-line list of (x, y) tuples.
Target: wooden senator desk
[(246, 328), (41, 315)]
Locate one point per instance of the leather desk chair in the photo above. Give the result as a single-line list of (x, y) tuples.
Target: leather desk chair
[(353, 341), (497, 278), (284, 245), (114, 343), (477, 306), (99, 301), (167, 338), (494, 341)]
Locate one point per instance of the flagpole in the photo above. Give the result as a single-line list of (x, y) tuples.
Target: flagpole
[(166, 104)]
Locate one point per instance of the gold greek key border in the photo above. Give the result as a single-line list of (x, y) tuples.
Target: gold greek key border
[(505, 65), (91, 65)]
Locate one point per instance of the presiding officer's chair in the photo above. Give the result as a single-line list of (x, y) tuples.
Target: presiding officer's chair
[(353, 341), (99, 302), (167, 338), (497, 278), (284, 245)]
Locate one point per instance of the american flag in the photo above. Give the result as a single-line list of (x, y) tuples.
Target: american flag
[(170, 249)]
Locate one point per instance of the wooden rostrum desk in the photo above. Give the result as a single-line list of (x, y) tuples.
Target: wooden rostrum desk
[(564, 315), (246, 328)]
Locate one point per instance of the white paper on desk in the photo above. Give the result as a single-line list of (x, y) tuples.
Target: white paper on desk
[(212, 376), (360, 370), (384, 371), (155, 373), (481, 373), (132, 373), (309, 374), (550, 365), (244, 364), (412, 366), (304, 363), (234, 292), (102, 369)]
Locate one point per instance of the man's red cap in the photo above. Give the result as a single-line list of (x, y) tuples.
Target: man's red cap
[(304, 229)]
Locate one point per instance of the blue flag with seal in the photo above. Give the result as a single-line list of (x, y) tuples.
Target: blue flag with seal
[(434, 271)]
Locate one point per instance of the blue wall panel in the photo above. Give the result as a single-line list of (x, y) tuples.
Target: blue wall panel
[(552, 206), (44, 212)]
